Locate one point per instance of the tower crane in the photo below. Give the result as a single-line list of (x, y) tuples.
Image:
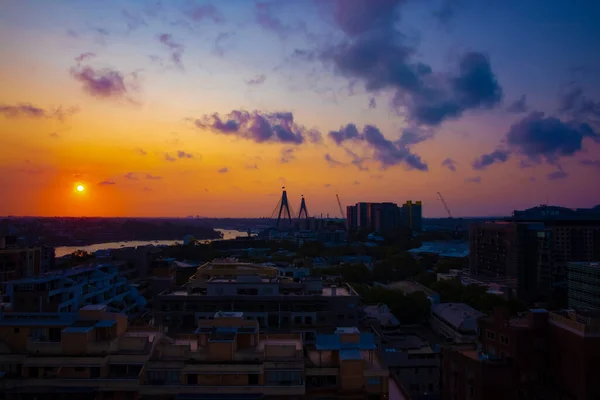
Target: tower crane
[(341, 211), (445, 205)]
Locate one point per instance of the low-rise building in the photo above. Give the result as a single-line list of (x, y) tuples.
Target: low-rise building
[(346, 363), (309, 306), (457, 322), (381, 316), (71, 289), (414, 365), (93, 354)]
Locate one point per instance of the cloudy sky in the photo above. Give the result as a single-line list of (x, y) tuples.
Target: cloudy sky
[(175, 108)]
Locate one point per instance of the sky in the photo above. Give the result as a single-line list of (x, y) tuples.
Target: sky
[(182, 107)]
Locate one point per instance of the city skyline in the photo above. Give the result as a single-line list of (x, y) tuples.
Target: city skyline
[(169, 109)]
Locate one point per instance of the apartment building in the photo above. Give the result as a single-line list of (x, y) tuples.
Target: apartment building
[(345, 364), (413, 364), (71, 289), (308, 306), (541, 354), (534, 247), (583, 285), (92, 355)]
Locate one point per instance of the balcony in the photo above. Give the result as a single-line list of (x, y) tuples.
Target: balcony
[(103, 347), (42, 346), (100, 383), (167, 389)]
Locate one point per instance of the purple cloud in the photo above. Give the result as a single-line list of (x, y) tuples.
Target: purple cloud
[(264, 14), (153, 177), (476, 179), (223, 170), (372, 103), (27, 110), (348, 132), (376, 53), (386, 152), (257, 80), (519, 106), (104, 83), (141, 152), (331, 161), (183, 154), (590, 163), (177, 49), (107, 182), (287, 155), (557, 175), (199, 13), (540, 138), (485, 160), (450, 164), (131, 176), (169, 158), (260, 127), (84, 56)]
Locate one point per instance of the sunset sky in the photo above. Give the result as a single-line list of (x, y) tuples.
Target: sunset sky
[(176, 108)]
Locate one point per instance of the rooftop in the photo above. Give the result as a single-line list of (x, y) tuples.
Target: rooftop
[(461, 316)]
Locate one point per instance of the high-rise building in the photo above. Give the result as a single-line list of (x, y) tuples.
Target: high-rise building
[(541, 355), (583, 285), (535, 246), (412, 215)]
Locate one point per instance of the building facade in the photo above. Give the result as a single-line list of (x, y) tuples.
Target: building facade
[(534, 247), (583, 285), (308, 306), (540, 355), (94, 354), (69, 290), (384, 217), (412, 215)]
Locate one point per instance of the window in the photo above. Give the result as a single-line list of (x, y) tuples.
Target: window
[(95, 372), (374, 381), (504, 339), (490, 335), (252, 379), (192, 379)]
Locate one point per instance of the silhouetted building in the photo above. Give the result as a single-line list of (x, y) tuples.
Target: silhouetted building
[(540, 355), (383, 217), (534, 247), (21, 261), (583, 285), (412, 215)]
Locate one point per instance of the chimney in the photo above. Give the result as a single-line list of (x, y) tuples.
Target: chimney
[(333, 290)]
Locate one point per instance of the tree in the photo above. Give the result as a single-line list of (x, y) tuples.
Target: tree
[(446, 264), (356, 273)]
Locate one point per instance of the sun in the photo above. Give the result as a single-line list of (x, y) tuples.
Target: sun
[(80, 188)]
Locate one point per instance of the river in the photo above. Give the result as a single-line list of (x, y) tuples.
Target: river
[(64, 250)]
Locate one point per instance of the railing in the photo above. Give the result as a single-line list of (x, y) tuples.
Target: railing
[(578, 326), (44, 347), (103, 347)]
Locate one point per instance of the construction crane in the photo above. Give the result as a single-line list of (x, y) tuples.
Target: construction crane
[(445, 205), (342, 211)]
